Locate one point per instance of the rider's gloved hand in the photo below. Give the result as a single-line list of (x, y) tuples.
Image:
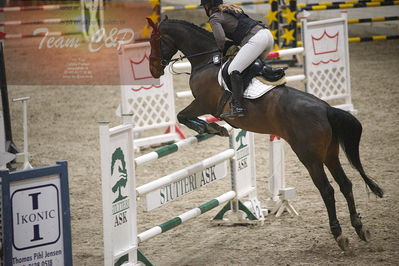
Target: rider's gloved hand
[(227, 45)]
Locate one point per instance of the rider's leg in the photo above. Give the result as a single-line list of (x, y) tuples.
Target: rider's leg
[(274, 74), (247, 54), (237, 89), (261, 41)]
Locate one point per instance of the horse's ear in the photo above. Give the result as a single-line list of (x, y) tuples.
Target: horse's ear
[(166, 17), (151, 23)]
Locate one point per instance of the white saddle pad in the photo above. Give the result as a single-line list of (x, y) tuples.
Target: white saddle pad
[(255, 89)]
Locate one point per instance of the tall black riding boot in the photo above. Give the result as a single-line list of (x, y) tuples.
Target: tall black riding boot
[(237, 87)]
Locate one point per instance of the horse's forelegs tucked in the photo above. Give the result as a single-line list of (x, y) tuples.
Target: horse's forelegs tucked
[(189, 117), (333, 164), (213, 128)]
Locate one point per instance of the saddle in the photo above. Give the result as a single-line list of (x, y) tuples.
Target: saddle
[(258, 70)]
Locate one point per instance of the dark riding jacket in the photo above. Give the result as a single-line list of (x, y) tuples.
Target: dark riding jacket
[(238, 27)]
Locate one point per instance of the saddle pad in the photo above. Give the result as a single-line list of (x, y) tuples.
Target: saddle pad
[(254, 90)]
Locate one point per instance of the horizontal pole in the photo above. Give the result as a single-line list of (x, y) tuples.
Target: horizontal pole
[(295, 78), (367, 39), (337, 3), (21, 99), (36, 22), (376, 19), (374, 38), (178, 146), (192, 169), (365, 20), (286, 52), (37, 8), (185, 7), (182, 94), (347, 6), (140, 128), (150, 233), (6, 36)]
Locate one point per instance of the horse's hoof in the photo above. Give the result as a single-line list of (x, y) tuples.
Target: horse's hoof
[(364, 235), (343, 242), (224, 132)]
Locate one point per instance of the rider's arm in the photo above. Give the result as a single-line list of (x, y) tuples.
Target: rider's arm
[(216, 23)]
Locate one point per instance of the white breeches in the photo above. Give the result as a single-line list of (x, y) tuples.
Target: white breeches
[(261, 42)]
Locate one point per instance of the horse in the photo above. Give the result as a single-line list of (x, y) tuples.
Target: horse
[(314, 129)]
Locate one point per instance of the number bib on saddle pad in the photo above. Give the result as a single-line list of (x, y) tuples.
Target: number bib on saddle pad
[(254, 90)]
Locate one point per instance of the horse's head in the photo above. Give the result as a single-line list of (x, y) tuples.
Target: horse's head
[(162, 49)]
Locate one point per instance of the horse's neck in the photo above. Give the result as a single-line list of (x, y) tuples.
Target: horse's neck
[(194, 48)]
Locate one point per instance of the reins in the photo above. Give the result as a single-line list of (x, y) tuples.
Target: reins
[(180, 58)]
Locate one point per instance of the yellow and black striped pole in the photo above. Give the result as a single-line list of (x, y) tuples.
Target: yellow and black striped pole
[(366, 20), (185, 7), (373, 38), (337, 3), (377, 19), (368, 39), (347, 6)]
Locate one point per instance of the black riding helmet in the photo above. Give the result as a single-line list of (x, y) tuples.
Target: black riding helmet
[(210, 5)]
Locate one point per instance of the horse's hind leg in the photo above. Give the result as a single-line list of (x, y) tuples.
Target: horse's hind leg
[(320, 179), (334, 166), (312, 156)]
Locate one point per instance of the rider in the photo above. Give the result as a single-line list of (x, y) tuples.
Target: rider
[(228, 20)]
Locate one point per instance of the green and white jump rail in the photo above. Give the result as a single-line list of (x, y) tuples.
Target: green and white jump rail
[(178, 146), (166, 226)]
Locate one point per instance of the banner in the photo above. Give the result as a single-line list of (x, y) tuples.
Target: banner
[(71, 42)]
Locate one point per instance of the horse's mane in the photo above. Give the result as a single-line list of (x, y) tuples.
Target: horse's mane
[(208, 35)]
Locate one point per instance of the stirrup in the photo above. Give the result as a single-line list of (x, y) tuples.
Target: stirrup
[(232, 113)]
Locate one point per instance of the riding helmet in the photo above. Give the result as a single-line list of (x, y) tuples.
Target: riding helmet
[(211, 3)]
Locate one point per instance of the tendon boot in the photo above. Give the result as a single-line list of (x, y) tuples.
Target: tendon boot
[(237, 88)]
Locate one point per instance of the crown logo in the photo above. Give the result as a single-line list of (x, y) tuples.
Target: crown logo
[(139, 88), (325, 44), (141, 68)]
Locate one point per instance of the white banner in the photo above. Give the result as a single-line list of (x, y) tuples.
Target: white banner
[(184, 186)]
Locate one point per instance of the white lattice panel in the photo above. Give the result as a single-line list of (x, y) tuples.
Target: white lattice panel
[(152, 106), (327, 60), (328, 83), (149, 100)]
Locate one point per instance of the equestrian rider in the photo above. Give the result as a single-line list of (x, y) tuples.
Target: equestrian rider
[(230, 21)]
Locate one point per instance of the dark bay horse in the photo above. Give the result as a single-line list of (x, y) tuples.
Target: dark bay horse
[(313, 128)]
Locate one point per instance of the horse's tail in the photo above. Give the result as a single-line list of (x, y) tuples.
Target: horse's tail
[(348, 130)]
